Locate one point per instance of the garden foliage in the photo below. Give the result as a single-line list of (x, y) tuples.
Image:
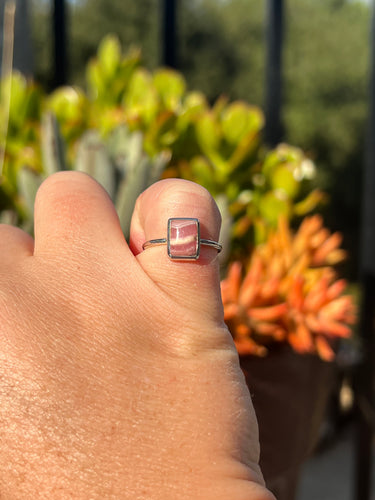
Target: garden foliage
[(130, 126)]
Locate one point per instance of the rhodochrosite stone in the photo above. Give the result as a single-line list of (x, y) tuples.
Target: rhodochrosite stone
[(183, 238)]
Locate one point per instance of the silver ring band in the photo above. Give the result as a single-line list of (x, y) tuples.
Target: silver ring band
[(164, 241), (183, 239)]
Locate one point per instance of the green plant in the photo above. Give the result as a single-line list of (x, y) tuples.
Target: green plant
[(119, 164), (218, 146)]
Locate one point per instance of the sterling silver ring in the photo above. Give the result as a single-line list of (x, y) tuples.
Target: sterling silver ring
[(183, 239)]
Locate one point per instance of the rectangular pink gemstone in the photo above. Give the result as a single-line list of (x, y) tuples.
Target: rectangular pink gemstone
[(183, 238)]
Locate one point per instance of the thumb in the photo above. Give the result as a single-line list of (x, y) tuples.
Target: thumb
[(193, 283)]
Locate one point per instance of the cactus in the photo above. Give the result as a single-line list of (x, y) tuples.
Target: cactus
[(119, 164), (290, 293)]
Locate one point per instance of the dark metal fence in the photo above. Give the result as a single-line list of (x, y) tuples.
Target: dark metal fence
[(366, 373), (169, 50), (60, 43), (273, 80), (169, 33)]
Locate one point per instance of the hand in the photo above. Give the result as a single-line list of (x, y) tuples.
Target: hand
[(118, 377)]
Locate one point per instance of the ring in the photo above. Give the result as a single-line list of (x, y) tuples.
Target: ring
[(183, 239)]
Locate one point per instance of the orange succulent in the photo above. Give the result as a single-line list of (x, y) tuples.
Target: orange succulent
[(289, 292)]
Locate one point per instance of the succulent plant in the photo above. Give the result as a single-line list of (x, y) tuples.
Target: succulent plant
[(119, 164), (218, 146), (259, 185), (289, 292), (20, 112)]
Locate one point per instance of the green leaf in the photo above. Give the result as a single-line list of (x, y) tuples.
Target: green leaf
[(34, 103), (280, 155), (260, 230), (95, 81), (193, 106), (67, 104), (162, 132), (308, 204), (271, 206), (93, 159), (53, 149), (28, 185), (140, 101), (245, 148), (203, 173), (170, 86), (14, 89), (208, 132), (140, 172), (226, 227), (194, 102), (239, 120), (283, 179), (109, 56)]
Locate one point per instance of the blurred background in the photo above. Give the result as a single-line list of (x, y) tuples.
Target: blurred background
[(221, 47)]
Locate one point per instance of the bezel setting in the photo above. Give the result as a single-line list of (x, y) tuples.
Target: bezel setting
[(192, 243)]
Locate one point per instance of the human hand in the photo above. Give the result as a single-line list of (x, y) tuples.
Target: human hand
[(118, 377)]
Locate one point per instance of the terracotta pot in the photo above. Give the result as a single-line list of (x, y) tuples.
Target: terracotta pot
[(290, 394)]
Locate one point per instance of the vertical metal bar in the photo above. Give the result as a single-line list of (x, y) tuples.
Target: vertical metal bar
[(274, 31), (59, 33), (364, 394), (366, 374), (368, 214), (169, 39)]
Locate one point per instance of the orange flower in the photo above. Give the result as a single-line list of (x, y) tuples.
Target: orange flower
[(289, 293)]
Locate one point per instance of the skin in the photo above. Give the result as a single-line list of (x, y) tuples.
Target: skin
[(118, 377)]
